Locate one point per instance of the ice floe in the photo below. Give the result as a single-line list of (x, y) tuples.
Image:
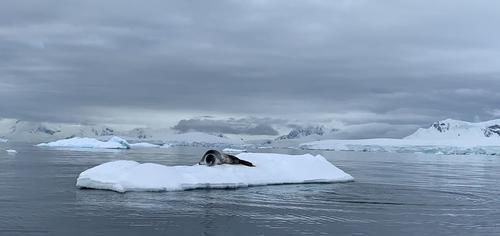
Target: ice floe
[(11, 151), (92, 143), (166, 145), (124, 175), (112, 143), (144, 145), (233, 150)]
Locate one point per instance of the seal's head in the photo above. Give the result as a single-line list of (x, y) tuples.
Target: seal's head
[(211, 158)]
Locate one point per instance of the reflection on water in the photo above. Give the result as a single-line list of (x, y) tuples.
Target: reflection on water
[(394, 194)]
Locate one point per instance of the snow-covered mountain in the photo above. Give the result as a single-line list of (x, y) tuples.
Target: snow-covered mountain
[(443, 137), (42, 131), (447, 133), (37, 132), (140, 133), (303, 132), (457, 129)]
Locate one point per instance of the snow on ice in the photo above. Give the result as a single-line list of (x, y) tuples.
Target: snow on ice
[(124, 175), (112, 143), (233, 150)]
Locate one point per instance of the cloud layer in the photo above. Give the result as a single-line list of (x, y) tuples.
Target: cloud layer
[(230, 126), (312, 61)]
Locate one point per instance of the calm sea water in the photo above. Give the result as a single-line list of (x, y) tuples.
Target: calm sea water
[(394, 194)]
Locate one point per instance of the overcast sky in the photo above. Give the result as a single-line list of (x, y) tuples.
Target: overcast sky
[(275, 63)]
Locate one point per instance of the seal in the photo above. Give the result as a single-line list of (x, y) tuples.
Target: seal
[(214, 157)]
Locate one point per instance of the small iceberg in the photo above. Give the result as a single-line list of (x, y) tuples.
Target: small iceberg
[(112, 143), (11, 151), (3, 140), (166, 145), (123, 175), (144, 145), (233, 150)]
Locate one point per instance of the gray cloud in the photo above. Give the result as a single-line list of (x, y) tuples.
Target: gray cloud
[(229, 126), (351, 61)]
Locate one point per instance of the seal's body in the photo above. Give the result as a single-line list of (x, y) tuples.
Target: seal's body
[(214, 157)]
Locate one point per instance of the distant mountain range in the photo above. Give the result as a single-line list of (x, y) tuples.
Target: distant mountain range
[(446, 137), (40, 131), (17, 130), (302, 132), (444, 129)]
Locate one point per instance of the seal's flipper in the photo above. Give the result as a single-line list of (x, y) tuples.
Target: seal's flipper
[(246, 163), (235, 160)]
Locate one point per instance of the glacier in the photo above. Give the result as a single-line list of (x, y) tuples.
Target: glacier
[(447, 147), (124, 175), (449, 137)]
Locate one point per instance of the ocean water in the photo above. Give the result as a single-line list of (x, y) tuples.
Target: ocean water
[(394, 194)]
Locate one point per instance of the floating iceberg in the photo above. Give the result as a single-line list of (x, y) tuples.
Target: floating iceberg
[(3, 140), (11, 151), (144, 145), (166, 145), (233, 150), (123, 176), (112, 143)]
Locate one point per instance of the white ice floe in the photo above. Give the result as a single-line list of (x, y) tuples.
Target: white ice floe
[(3, 140), (144, 145), (123, 176), (233, 150), (12, 151), (112, 143), (166, 145)]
